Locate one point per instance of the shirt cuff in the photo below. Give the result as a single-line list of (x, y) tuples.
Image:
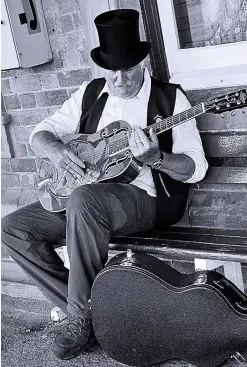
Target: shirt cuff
[(201, 166), (43, 126)]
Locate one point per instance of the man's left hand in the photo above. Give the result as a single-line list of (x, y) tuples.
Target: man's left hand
[(143, 149)]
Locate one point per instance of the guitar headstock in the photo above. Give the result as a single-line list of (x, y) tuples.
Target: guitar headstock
[(228, 102)]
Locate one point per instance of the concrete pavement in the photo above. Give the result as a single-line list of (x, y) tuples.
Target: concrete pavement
[(27, 334)]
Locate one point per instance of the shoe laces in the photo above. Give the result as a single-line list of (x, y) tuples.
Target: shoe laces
[(75, 327)]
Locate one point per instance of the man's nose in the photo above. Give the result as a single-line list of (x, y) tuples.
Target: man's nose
[(120, 78)]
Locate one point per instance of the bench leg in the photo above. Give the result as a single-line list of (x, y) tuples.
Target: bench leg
[(232, 270)]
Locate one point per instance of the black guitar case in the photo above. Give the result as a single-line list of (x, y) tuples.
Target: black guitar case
[(144, 312)]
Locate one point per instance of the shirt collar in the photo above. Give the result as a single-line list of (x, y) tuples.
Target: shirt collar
[(142, 92)]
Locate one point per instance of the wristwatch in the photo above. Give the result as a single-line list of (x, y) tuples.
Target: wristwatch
[(158, 164)]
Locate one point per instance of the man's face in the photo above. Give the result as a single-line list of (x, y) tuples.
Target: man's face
[(125, 83)]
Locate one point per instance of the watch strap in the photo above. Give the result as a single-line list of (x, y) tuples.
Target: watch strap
[(158, 164)]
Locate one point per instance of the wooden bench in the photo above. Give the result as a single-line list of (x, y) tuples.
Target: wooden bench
[(210, 248), (216, 235)]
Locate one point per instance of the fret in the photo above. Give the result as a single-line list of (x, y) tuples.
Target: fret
[(160, 126)]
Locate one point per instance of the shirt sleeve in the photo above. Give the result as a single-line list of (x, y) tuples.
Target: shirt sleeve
[(187, 140), (66, 119)]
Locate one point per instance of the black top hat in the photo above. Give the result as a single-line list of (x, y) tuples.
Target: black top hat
[(120, 44)]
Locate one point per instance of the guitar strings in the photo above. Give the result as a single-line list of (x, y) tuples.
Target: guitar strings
[(163, 124), (197, 110), (125, 141)]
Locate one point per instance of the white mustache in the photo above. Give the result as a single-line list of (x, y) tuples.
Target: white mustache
[(122, 85)]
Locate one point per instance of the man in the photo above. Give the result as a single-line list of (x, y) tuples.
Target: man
[(95, 212)]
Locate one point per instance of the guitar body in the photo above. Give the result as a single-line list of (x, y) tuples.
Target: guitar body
[(94, 149), (144, 312), (109, 150)]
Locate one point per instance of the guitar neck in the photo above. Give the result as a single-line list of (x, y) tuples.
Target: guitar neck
[(166, 124), (161, 126)]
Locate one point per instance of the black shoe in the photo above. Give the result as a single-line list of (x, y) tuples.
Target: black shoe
[(75, 337)]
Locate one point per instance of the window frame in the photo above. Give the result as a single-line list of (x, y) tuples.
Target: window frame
[(209, 66)]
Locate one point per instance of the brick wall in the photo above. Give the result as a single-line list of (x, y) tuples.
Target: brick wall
[(32, 94)]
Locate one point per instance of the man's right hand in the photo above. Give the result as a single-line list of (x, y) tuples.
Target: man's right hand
[(64, 159)]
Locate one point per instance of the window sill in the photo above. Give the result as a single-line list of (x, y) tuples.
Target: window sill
[(212, 78)]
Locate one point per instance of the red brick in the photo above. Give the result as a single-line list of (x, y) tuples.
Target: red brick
[(51, 98), (21, 151), (78, 23), (49, 81), (27, 100), (74, 77), (23, 165), (28, 180), (29, 117), (64, 24), (22, 133), (12, 102), (5, 166), (10, 180), (11, 196), (50, 25), (25, 83), (5, 86)]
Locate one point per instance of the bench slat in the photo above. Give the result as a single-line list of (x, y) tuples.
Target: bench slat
[(225, 145), (230, 245), (184, 237), (226, 175), (227, 161), (174, 252)]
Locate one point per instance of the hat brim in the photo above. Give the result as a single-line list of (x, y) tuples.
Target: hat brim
[(133, 59)]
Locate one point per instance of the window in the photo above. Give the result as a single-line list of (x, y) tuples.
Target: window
[(205, 41)]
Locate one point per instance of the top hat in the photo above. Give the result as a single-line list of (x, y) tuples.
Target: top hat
[(119, 37)]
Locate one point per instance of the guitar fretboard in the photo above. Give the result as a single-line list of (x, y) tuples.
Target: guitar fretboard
[(160, 126)]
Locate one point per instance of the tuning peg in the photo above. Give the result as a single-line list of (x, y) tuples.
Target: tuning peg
[(237, 94), (233, 113), (222, 115), (238, 101), (227, 97), (243, 110), (228, 104), (217, 108)]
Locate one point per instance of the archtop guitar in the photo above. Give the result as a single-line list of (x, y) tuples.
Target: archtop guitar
[(108, 149)]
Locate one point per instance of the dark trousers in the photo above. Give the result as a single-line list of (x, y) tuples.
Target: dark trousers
[(93, 214)]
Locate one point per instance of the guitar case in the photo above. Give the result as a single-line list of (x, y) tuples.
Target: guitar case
[(144, 312)]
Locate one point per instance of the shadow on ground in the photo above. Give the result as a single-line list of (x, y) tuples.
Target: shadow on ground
[(27, 334)]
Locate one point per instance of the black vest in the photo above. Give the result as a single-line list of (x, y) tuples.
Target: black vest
[(162, 98)]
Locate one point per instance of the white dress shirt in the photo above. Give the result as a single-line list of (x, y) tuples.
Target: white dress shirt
[(186, 138)]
